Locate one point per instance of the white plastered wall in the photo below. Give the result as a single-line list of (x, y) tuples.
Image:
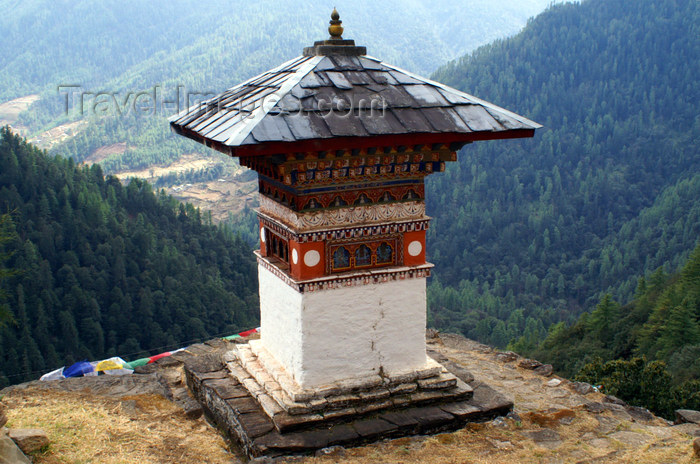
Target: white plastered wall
[(345, 333), (280, 320)]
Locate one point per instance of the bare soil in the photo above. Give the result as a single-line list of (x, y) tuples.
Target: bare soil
[(10, 111), (102, 153)]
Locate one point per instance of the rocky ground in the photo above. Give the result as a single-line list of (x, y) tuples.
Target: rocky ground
[(148, 418)]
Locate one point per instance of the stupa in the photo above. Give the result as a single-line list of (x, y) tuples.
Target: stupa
[(342, 143)]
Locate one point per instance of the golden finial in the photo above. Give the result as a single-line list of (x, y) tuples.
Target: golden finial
[(335, 29)]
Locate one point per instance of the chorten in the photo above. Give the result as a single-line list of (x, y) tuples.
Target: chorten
[(342, 143)]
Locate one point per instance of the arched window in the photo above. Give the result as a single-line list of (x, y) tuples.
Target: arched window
[(363, 256), (341, 258), (385, 254), (277, 247)]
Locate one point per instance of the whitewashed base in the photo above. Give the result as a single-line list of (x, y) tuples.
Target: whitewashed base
[(343, 334)]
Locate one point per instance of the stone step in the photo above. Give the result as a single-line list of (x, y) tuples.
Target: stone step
[(255, 359), (244, 366), (250, 420), (288, 422), (288, 415)]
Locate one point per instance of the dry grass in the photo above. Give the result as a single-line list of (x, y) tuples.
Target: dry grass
[(88, 429), (490, 444), (84, 428)]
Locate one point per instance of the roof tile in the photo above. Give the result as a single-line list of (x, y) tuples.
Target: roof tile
[(477, 118), (339, 80)]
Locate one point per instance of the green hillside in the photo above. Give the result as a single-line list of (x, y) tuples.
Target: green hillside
[(530, 233), (98, 269), (646, 352)]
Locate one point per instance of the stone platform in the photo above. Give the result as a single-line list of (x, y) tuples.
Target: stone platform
[(267, 417)]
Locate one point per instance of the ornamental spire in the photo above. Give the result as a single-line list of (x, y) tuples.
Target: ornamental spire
[(336, 28), (335, 44)]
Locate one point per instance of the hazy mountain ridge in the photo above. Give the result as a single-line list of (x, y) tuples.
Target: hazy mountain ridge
[(133, 46)]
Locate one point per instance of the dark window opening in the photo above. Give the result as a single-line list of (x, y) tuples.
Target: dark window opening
[(341, 258), (363, 256), (279, 248), (385, 254)]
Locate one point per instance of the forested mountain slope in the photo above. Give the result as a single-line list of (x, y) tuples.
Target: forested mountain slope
[(661, 323), (528, 233), (646, 352), (101, 269)]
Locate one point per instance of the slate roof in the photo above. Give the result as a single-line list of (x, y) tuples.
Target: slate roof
[(291, 103)]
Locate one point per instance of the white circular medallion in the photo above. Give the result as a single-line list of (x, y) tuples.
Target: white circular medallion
[(312, 258), (262, 234), (414, 248), (295, 256)]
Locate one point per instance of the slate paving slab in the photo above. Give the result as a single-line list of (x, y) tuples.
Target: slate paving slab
[(547, 438), (687, 415), (10, 452)]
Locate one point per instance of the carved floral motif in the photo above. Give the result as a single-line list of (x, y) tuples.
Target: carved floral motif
[(347, 216)]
